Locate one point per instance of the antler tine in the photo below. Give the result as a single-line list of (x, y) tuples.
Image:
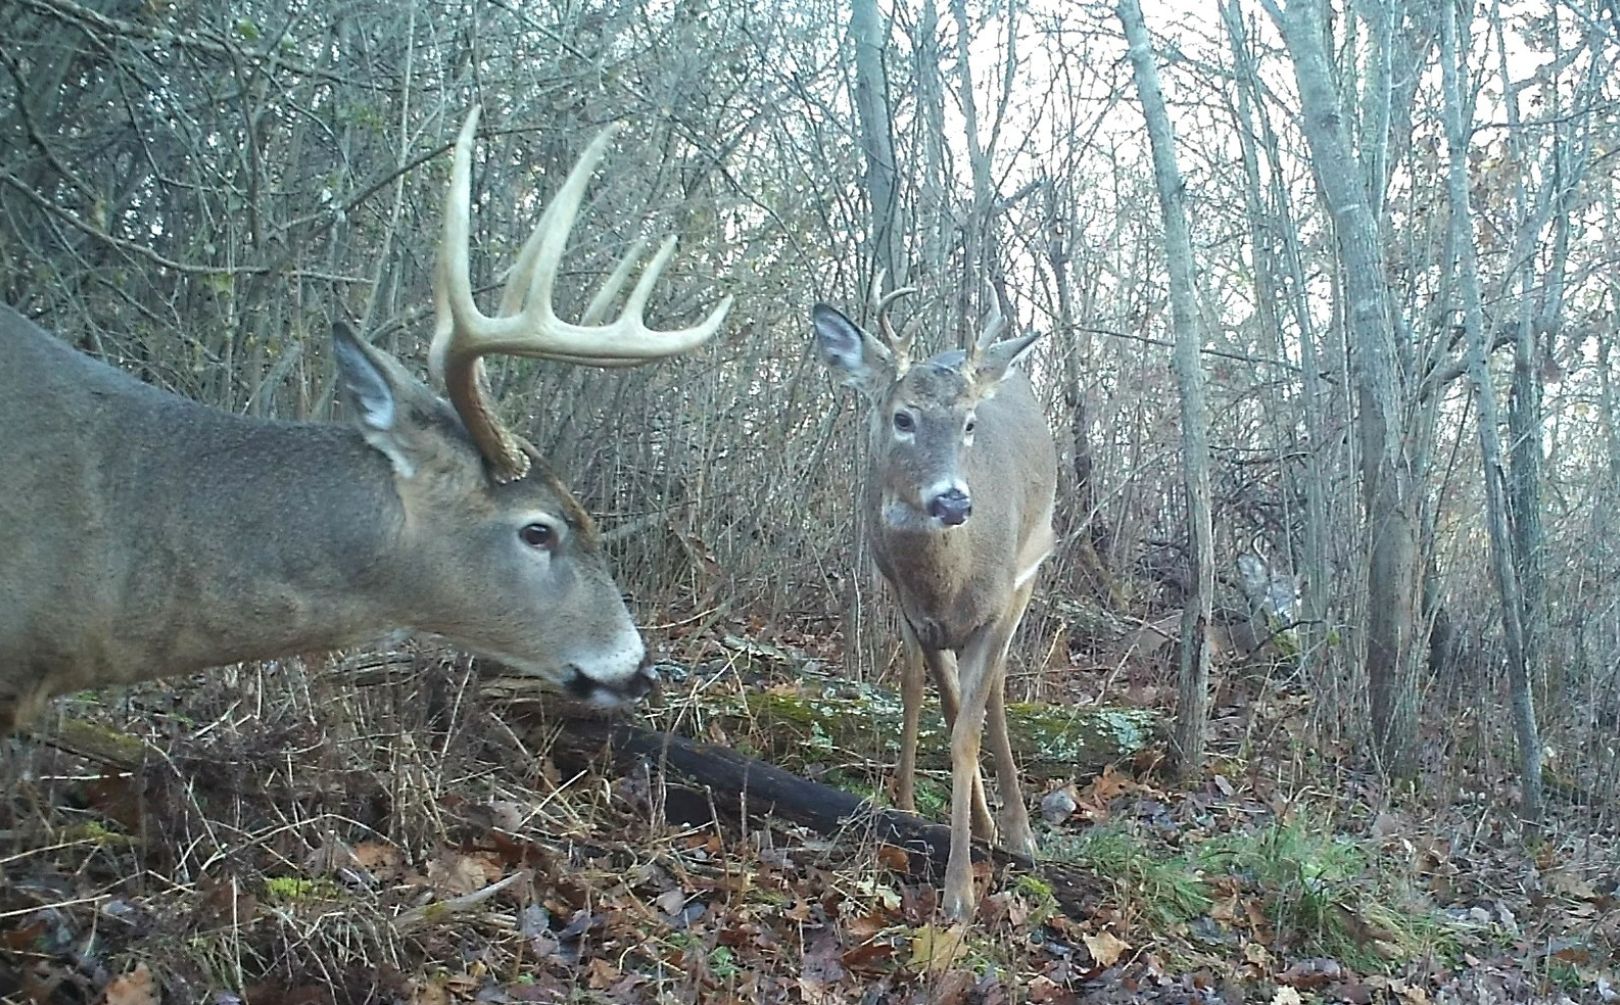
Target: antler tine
[(899, 345), (604, 297), (527, 324), (990, 330)]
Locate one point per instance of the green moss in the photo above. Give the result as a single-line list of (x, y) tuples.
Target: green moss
[(293, 889), (863, 722), (97, 833)]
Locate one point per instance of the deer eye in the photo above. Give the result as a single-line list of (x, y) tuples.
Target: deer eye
[(904, 422), (537, 535)]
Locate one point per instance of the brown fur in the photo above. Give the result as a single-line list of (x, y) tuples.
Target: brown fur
[(962, 589), (143, 535)]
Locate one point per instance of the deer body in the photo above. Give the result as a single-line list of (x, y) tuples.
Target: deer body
[(142, 534), (949, 584), (959, 506), (191, 538)]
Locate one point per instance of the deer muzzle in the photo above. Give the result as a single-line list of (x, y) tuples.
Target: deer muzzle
[(609, 694), (951, 507)]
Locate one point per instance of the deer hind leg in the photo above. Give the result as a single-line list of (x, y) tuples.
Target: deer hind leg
[(944, 668)]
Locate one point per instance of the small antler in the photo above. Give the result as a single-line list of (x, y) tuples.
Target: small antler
[(990, 330), (898, 346), (527, 325)]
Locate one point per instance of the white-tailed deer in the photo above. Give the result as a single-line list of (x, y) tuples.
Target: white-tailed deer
[(959, 515), (142, 534)]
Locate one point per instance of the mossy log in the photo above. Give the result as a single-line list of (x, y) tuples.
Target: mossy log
[(1050, 741), (702, 778)]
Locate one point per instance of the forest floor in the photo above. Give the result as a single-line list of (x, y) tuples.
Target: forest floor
[(294, 839)]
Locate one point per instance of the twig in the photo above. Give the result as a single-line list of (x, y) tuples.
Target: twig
[(441, 909)]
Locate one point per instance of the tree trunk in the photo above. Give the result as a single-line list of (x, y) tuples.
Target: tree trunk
[(1268, 231), (870, 34), (1490, 444), (1389, 497), (1192, 713)]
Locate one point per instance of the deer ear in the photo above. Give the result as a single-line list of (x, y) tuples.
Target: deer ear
[(998, 360), (846, 349), (384, 399)]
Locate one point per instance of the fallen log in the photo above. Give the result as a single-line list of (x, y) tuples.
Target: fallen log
[(747, 788), (864, 722)]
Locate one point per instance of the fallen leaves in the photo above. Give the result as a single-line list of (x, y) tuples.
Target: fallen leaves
[(138, 987), (1105, 947)]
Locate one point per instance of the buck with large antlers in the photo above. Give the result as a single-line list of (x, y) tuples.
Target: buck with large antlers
[(959, 516), (142, 534)]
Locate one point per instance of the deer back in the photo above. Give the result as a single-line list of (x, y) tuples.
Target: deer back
[(143, 534)]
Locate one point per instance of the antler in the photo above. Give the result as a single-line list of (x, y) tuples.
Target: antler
[(990, 330), (897, 345), (526, 324)]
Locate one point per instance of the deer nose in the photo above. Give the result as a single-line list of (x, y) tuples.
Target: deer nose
[(951, 507)]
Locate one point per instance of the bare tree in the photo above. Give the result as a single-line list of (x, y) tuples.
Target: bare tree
[(1490, 443), (1351, 188), (1192, 714)]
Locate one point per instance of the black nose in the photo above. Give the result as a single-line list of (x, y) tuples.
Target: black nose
[(951, 508), (583, 688)]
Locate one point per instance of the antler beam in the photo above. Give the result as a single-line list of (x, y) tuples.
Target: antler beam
[(527, 324)]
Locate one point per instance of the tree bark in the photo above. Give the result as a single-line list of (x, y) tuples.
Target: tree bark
[(1192, 712), (1389, 496), (1490, 444), (870, 34)]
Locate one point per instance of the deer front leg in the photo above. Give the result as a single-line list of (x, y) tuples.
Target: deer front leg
[(943, 665), (1015, 831), (980, 675), (911, 699), (960, 902)]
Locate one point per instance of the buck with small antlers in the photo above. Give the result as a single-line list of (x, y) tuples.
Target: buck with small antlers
[(959, 515), (142, 534)]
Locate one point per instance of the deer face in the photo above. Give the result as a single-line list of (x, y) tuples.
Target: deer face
[(923, 418), (921, 428), (545, 602), (508, 570)]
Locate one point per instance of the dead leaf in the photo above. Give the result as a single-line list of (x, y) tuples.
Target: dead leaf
[(934, 949), (430, 992), (1255, 953), (952, 988), (1044, 991), (1287, 996), (671, 901), (869, 958), (138, 987), (385, 862), (1312, 974), (1105, 947), (600, 974), (456, 874), (1562, 881)]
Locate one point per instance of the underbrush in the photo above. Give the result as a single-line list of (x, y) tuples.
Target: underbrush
[(394, 833)]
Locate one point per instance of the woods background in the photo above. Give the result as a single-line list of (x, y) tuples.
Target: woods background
[(196, 190)]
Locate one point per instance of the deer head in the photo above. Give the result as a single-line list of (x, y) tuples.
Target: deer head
[(147, 535), (923, 417)]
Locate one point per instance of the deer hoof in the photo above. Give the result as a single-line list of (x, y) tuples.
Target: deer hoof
[(959, 906)]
